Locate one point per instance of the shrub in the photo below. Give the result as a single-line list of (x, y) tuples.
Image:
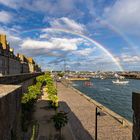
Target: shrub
[(54, 99), (60, 120), (29, 98)]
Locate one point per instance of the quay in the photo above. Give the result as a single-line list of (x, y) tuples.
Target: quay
[(81, 113), (78, 79)]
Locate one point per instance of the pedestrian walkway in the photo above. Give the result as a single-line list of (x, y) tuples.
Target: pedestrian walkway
[(82, 118), (43, 116)]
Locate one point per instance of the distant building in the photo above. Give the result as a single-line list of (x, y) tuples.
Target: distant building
[(37, 68), (4, 56), (14, 63), (31, 64), (33, 67), (3, 41), (11, 64), (24, 63)]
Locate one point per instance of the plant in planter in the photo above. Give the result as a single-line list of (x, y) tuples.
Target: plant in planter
[(54, 101), (60, 120)]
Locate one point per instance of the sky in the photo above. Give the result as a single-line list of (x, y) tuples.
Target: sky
[(91, 35)]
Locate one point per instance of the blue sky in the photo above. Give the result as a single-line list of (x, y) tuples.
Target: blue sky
[(87, 35)]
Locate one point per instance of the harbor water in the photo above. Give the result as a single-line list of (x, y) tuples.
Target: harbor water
[(118, 98)]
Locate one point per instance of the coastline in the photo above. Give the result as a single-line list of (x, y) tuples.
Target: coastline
[(78, 79), (103, 108), (81, 113), (106, 110)]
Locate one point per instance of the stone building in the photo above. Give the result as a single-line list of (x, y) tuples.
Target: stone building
[(31, 64), (4, 70), (11, 64), (24, 63), (3, 41), (37, 68), (14, 63)]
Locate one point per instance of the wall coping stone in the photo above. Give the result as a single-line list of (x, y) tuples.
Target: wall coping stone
[(6, 89)]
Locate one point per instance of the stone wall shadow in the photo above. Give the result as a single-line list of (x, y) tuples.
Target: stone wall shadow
[(78, 130), (76, 126)]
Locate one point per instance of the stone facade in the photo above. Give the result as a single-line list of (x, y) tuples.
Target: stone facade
[(3, 41), (10, 104), (136, 115), (16, 79), (11, 64), (31, 64), (10, 112), (3, 65), (14, 66), (24, 63)]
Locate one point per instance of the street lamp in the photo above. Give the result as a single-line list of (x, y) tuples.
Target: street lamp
[(97, 113)]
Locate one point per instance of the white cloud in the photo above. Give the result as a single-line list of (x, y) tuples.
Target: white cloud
[(60, 7), (3, 30), (11, 3), (127, 59), (54, 44), (5, 17), (34, 44), (69, 24), (130, 59), (84, 52), (125, 15), (12, 37), (14, 41)]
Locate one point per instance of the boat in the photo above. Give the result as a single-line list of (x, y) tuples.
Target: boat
[(120, 82), (88, 83), (102, 77)]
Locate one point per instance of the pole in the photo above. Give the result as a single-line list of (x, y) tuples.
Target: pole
[(96, 123)]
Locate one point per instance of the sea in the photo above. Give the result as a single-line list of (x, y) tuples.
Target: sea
[(118, 98)]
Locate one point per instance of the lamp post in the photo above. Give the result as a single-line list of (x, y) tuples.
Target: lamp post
[(96, 123), (97, 113)]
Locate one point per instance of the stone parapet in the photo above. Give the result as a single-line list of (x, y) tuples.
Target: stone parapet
[(16, 79), (10, 111), (136, 115), (116, 116)]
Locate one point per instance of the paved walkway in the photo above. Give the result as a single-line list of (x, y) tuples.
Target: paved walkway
[(43, 116), (82, 118)]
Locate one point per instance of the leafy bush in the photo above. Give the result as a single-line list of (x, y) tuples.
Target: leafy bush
[(52, 91), (28, 100), (54, 99), (60, 120), (40, 79)]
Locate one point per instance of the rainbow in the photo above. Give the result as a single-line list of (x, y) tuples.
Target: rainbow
[(120, 33), (100, 46)]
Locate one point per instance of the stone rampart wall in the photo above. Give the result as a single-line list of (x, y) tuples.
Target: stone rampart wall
[(10, 111), (136, 115), (10, 104), (16, 79)]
